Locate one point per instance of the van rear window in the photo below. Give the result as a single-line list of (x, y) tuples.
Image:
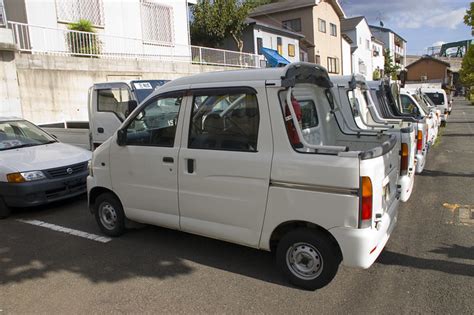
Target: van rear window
[(436, 98)]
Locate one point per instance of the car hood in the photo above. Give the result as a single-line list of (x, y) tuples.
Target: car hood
[(41, 157)]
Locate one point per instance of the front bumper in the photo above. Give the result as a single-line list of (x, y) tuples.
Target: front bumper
[(43, 191), (361, 247)]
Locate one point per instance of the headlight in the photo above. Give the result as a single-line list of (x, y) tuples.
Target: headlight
[(25, 176), (89, 166)]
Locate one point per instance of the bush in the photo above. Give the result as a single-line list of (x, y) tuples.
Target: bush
[(86, 43)]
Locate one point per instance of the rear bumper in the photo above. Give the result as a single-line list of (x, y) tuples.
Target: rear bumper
[(420, 162), (361, 247), (43, 191), (406, 183)]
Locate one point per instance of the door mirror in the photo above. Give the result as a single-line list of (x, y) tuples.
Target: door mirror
[(121, 137), (132, 104)]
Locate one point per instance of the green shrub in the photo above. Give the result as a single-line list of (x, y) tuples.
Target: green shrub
[(82, 43)]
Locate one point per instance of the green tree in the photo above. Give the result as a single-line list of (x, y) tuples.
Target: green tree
[(389, 68), (469, 17), (466, 74), (214, 20)]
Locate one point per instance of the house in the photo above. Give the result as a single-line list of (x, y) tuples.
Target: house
[(378, 59), (258, 35), (317, 20), (144, 26), (396, 45), (430, 69), (357, 29), (346, 54)]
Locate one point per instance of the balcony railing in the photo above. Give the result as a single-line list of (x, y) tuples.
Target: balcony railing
[(45, 40)]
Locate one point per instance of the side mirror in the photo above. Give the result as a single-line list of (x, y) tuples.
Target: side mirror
[(121, 137), (132, 104)]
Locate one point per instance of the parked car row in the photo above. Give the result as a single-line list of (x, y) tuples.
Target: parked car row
[(286, 160)]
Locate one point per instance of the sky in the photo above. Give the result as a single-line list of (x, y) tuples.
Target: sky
[(422, 23)]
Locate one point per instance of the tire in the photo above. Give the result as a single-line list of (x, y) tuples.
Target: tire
[(108, 212), (4, 209), (319, 258)]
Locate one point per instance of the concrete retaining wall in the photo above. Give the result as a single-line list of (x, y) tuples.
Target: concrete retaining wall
[(55, 88)]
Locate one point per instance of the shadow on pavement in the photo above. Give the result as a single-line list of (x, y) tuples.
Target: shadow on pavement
[(445, 174), (458, 135), (456, 251), (150, 252), (450, 267)]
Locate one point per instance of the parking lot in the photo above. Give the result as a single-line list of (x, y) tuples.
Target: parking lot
[(54, 258)]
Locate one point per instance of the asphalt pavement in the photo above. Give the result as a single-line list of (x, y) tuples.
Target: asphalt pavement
[(426, 267)]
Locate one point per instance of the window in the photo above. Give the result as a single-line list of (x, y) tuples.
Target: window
[(309, 115), (157, 23), (115, 101), (291, 50), (367, 44), (259, 45), (322, 25), (408, 106), (436, 97), (155, 124), (317, 59), (292, 25), (72, 11), (333, 65), (225, 121), (279, 46), (3, 18), (333, 29), (15, 134)]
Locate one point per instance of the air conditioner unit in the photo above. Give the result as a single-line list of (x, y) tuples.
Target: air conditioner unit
[(424, 78)]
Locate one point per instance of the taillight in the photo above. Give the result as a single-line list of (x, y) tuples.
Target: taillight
[(365, 215), (404, 159), (419, 140)]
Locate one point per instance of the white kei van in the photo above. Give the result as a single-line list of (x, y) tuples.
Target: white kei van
[(239, 157)]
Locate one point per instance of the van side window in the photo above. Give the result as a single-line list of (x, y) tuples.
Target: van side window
[(155, 124), (309, 117), (224, 121), (408, 106), (114, 100)]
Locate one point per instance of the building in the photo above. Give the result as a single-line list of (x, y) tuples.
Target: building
[(357, 29), (378, 59), (430, 69), (147, 26), (346, 54), (317, 20), (258, 35), (393, 42)]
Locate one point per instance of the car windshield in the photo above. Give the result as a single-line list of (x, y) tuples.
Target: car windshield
[(143, 88), (436, 97), (21, 133)]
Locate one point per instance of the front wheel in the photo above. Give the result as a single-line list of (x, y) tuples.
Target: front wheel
[(109, 214), (307, 258)]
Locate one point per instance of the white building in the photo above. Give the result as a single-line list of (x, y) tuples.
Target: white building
[(357, 29), (131, 26), (346, 54), (393, 42), (378, 59)]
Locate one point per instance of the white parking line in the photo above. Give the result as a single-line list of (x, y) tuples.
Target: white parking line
[(58, 228)]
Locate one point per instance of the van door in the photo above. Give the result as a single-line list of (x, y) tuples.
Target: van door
[(108, 108), (144, 169), (224, 164)]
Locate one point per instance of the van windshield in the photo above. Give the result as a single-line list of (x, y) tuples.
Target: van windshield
[(20, 134), (436, 97)]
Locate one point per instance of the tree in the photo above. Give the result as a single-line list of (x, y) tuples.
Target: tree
[(466, 74), (389, 68), (469, 17), (214, 20)]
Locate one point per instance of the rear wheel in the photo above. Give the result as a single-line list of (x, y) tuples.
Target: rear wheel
[(307, 258), (4, 209), (109, 214)]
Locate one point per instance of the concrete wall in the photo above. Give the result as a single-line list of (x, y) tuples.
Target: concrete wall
[(9, 91), (54, 88)]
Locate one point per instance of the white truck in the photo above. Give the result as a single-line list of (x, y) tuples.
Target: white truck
[(108, 105), (254, 157), (439, 97), (358, 111)]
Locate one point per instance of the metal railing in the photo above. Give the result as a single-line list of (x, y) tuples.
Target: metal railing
[(45, 40)]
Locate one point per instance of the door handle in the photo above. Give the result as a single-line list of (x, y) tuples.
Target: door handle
[(190, 166), (100, 130), (168, 159)]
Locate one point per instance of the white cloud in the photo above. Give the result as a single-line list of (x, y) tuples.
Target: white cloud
[(438, 43)]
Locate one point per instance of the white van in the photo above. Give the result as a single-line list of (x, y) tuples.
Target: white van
[(239, 157), (440, 99), (35, 168)]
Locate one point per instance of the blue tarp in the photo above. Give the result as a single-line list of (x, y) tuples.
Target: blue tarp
[(274, 59)]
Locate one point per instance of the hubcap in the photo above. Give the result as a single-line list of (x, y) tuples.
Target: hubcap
[(304, 261), (107, 215)]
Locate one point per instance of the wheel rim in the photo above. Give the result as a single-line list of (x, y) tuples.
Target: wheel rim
[(304, 261), (107, 215)]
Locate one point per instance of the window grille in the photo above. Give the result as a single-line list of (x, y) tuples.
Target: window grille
[(3, 18), (73, 10), (157, 23)]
